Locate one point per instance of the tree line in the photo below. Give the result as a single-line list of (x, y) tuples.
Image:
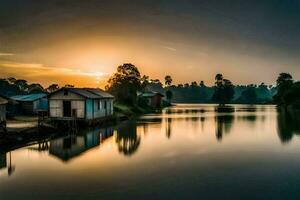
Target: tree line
[(127, 82)]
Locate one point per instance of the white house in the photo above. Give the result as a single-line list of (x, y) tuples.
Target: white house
[(80, 103)]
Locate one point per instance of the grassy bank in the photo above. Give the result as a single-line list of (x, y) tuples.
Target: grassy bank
[(133, 110)]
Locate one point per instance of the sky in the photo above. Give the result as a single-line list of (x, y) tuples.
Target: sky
[(82, 42)]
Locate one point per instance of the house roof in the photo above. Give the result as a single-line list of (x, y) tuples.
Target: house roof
[(90, 93), (29, 97), (3, 100), (150, 94)]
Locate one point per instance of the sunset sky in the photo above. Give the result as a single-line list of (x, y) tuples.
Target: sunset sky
[(82, 42)]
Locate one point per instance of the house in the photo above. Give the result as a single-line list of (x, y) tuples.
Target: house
[(30, 104), (154, 99), (3, 103), (80, 103), (72, 146)]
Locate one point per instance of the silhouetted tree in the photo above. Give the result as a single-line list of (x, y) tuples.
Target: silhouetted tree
[(168, 80), (125, 83), (224, 90), (284, 83), (52, 88)]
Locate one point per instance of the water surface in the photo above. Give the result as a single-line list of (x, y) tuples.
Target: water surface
[(187, 152)]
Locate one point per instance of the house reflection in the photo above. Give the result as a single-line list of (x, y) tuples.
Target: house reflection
[(4, 164), (72, 146), (288, 125), (3, 161), (127, 139)]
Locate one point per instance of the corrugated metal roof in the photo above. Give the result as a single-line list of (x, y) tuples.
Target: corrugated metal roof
[(29, 97), (91, 93), (100, 92), (151, 94), (3, 100), (83, 92)]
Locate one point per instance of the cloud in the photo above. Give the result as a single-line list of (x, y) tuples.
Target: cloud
[(6, 54), (34, 66), (47, 74), (168, 48)]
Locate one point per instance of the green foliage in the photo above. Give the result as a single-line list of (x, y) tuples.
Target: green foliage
[(125, 84), (169, 95), (285, 89), (168, 80), (52, 88), (224, 90), (249, 95), (12, 86)]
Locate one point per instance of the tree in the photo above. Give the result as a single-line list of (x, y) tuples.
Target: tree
[(52, 88), (169, 95), (22, 85), (249, 95), (202, 84), (194, 84), (69, 86), (168, 80), (224, 90), (284, 83), (125, 83), (35, 88)]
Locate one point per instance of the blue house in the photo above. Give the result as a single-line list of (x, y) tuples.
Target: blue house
[(80, 103), (32, 103)]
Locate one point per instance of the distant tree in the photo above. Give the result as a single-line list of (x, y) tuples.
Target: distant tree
[(12, 80), (168, 80), (169, 95), (145, 81), (52, 88), (125, 83), (194, 84), (69, 86), (249, 95), (35, 88), (202, 84), (186, 85), (224, 90), (283, 83), (22, 85)]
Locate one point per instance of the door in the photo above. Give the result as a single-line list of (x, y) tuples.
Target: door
[(67, 108)]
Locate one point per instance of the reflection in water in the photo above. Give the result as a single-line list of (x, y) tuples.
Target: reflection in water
[(181, 153), (168, 127), (288, 125), (223, 125), (127, 138), (3, 163), (72, 146)]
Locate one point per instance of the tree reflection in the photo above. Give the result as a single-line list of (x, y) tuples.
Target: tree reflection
[(168, 127), (287, 125), (223, 125), (127, 139)]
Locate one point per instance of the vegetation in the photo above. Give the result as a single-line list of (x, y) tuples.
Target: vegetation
[(169, 93), (125, 84), (224, 90)]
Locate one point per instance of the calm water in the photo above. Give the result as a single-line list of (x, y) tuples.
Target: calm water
[(188, 151)]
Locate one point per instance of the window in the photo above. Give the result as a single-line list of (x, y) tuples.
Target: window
[(105, 105), (99, 104)]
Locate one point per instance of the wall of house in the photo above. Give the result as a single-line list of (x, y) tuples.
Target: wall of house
[(89, 107), (56, 104), (56, 108)]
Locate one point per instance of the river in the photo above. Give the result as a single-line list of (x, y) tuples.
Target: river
[(188, 151)]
